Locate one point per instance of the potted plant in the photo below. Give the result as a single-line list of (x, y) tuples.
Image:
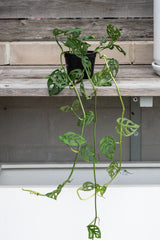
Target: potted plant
[(76, 142)]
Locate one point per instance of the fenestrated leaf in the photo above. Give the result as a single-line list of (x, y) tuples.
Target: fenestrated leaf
[(76, 74), (120, 49), (108, 146), (128, 127), (113, 169), (75, 105), (93, 231), (87, 186), (89, 119), (102, 78), (72, 139), (54, 194), (113, 66), (83, 91), (57, 32), (78, 47), (57, 81), (66, 108), (87, 153), (75, 32), (102, 189), (113, 32), (86, 64)]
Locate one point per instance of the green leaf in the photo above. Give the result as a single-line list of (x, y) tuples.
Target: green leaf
[(54, 194), (89, 119), (120, 49), (66, 108), (113, 66), (93, 231), (102, 189), (113, 32), (87, 186), (76, 74), (108, 146), (128, 127), (87, 153), (78, 47), (75, 105), (57, 32), (102, 78), (83, 91), (75, 32), (57, 81), (87, 37), (86, 64), (113, 169), (72, 139)]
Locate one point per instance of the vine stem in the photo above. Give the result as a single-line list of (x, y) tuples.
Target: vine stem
[(122, 104)]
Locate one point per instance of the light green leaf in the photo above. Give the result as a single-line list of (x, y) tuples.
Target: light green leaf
[(87, 153), (113, 169), (75, 105), (72, 139), (66, 108), (128, 127), (89, 119), (108, 146)]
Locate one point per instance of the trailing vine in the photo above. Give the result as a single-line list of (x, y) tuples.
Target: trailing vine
[(58, 80)]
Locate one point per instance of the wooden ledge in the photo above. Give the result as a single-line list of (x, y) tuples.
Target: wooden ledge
[(133, 80)]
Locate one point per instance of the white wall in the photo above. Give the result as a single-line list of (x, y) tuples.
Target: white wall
[(126, 213)]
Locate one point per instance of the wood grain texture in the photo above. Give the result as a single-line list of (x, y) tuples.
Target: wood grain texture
[(130, 82), (75, 8), (29, 30)]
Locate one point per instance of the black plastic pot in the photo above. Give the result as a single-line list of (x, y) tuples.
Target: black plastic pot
[(74, 62)]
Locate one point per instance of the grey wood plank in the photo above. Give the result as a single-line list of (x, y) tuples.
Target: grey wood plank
[(75, 8), (129, 86), (27, 72), (27, 29)]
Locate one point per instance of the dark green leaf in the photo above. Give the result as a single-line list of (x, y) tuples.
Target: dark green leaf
[(113, 32), (75, 105), (86, 64), (89, 119), (120, 49), (108, 146), (72, 139), (57, 81), (128, 127), (88, 186), (66, 108), (57, 32), (93, 231), (76, 74), (78, 47), (75, 32), (113, 66), (113, 169), (83, 92), (87, 153)]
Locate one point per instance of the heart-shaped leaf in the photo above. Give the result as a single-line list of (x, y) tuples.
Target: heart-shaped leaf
[(93, 231), (113, 169), (128, 127), (108, 146), (113, 32), (89, 119), (72, 139), (75, 105), (87, 153), (66, 108)]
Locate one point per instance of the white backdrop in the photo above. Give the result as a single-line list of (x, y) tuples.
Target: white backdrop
[(126, 213)]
